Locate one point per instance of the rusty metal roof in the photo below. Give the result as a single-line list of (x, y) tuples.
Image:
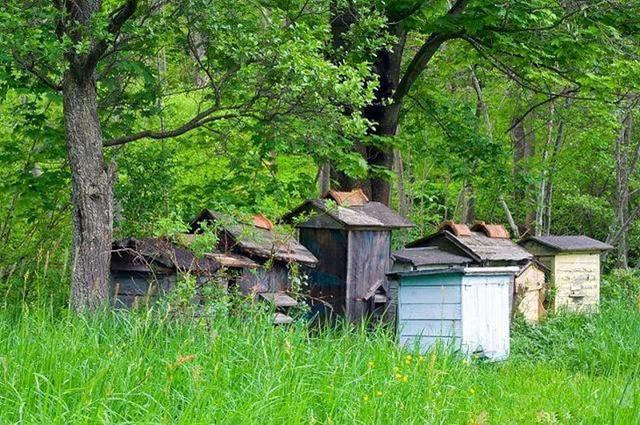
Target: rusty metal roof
[(354, 198), (457, 229), (261, 221)]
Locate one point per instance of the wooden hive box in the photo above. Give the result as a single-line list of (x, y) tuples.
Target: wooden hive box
[(530, 291), (351, 237), (144, 269), (464, 308), (574, 269), (275, 253)]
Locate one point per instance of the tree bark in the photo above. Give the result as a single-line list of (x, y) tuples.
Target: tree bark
[(394, 85), (623, 173), (91, 194), (522, 152), (384, 116)]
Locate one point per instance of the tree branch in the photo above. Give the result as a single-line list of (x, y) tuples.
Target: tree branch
[(196, 122), (30, 66), (426, 52), (117, 20), (551, 98)]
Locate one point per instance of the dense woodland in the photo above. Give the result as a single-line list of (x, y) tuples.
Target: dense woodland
[(132, 116)]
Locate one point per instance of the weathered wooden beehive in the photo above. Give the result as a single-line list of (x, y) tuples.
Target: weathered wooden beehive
[(485, 244), (144, 269), (276, 253), (530, 291), (461, 307), (351, 237), (574, 269)]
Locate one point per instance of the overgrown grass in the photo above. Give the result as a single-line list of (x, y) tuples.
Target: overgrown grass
[(143, 369)]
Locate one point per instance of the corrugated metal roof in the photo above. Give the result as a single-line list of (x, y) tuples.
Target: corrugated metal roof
[(429, 255), (491, 230), (371, 214), (571, 243), (260, 220), (355, 197)]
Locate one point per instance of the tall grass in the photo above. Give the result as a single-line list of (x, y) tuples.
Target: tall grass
[(120, 367), (144, 368)]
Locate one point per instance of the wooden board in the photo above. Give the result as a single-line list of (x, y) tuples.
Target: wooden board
[(450, 328), (486, 315), (576, 278), (327, 280), (368, 261)]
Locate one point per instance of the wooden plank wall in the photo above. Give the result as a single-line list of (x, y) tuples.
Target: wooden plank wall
[(530, 293), (486, 315), (368, 260), (274, 279), (430, 311), (132, 289), (328, 279), (577, 282)]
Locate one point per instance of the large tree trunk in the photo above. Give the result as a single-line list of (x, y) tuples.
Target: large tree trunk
[(92, 194)]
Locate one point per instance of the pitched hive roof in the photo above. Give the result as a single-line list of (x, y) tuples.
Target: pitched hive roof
[(429, 255), (258, 239), (163, 252), (574, 243), (352, 210), (479, 245)]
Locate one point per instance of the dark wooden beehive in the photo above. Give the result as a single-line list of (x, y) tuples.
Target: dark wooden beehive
[(351, 237)]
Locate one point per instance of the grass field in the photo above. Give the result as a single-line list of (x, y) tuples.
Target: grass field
[(119, 368)]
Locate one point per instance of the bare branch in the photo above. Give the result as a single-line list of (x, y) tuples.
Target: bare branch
[(196, 122), (551, 98)]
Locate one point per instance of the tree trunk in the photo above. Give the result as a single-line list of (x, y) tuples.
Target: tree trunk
[(91, 194), (623, 172), (522, 152), (324, 178)]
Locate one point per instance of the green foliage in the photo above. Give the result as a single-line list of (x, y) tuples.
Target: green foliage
[(124, 367), (621, 286)]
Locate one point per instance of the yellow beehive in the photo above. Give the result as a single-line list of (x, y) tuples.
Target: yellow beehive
[(574, 269)]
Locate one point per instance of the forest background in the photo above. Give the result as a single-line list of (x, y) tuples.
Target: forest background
[(514, 112)]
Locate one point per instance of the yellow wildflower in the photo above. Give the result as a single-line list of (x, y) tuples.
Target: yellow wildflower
[(421, 359), (379, 393), (370, 364), (472, 391), (365, 397), (405, 378)]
